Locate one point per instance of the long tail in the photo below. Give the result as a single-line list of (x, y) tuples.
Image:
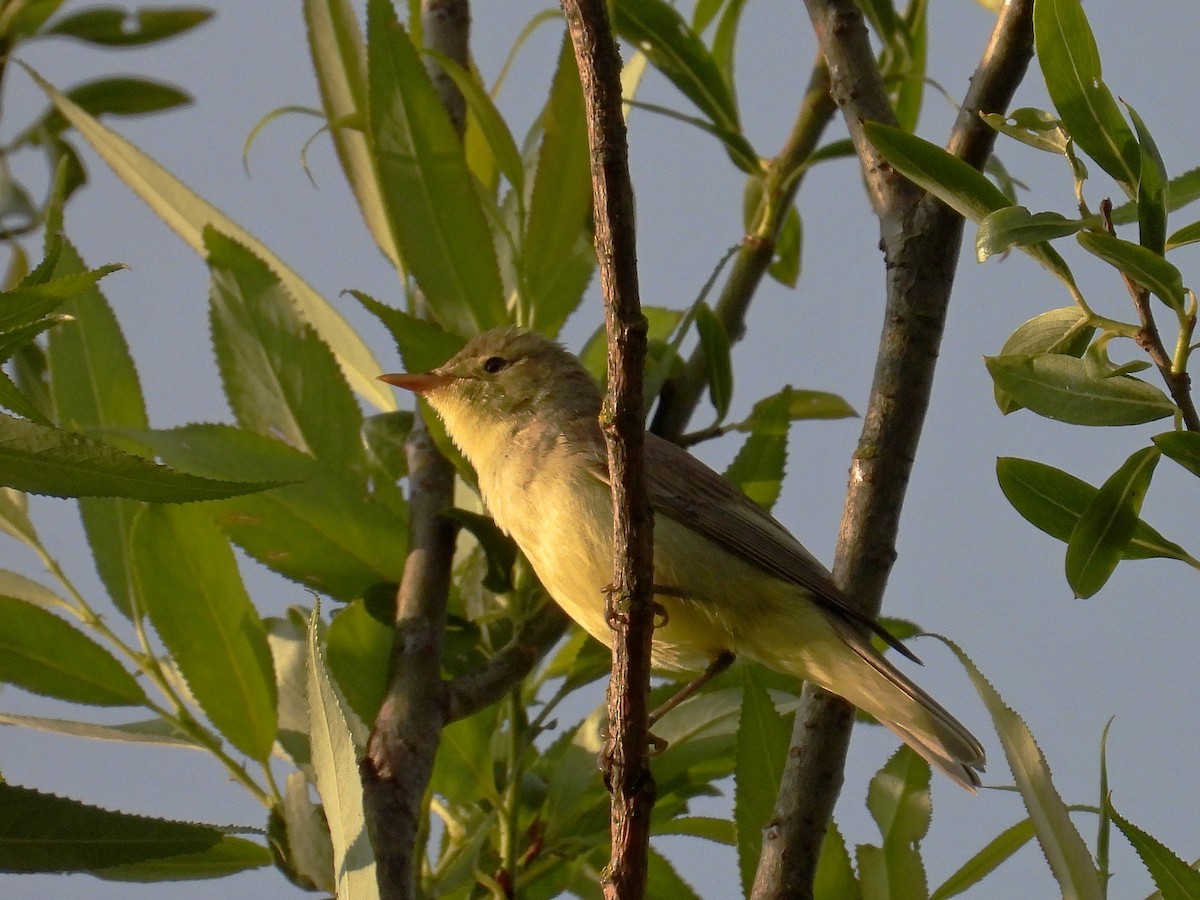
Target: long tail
[(844, 662)]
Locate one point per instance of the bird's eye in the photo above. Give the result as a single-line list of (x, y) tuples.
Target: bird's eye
[(494, 364)]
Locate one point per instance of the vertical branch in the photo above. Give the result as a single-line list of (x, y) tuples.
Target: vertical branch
[(398, 763), (921, 239), (630, 604)]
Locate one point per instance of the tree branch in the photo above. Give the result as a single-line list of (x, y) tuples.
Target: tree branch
[(921, 240), (781, 181), (398, 763), (630, 604)]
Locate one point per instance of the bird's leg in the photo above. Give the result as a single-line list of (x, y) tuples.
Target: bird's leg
[(722, 662)]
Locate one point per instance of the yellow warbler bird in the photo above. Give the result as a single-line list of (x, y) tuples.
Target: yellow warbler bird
[(734, 582)]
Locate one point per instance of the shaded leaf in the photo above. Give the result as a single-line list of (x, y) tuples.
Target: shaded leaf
[(1066, 389), (1099, 538), (758, 468), (718, 363), (1181, 446), (1064, 330), (112, 96), (499, 548), (358, 651), (46, 655), (1151, 189), (187, 581), (423, 345), (112, 26), (1146, 267), (157, 732), (1054, 501), (428, 194), (42, 460), (835, 876), (227, 857)]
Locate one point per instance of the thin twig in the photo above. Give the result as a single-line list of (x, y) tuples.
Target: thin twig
[(630, 601), (398, 763), (921, 240)]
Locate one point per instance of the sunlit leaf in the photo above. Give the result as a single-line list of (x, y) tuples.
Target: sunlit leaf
[(1146, 267), (1174, 878), (112, 26), (758, 468), (1011, 225)]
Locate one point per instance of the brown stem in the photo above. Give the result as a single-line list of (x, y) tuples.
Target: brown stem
[(630, 602), (921, 239), (398, 763), (781, 181)]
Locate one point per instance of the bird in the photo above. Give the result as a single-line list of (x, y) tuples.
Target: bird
[(730, 580)]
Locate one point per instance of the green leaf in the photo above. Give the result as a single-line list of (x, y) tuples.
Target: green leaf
[(339, 60), (464, 771), (187, 581), (1061, 843), (46, 655), (763, 737), (785, 265), (835, 876), (1173, 877), (1054, 501), (156, 732), (44, 833), (1032, 127), (188, 214), (998, 850), (113, 96), (358, 650), (660, 32), (432, 205), (325, 532), (282, 381), (724, 42), (803, 404), (1146, 267), (1189, 234), (758, 468), (1070, 61), (955, 183), (718, 363), (423, 345), (41, 460), (1011, 225), (335, 763), (227, 857), (498, 548), (719, 831), (1064, 330), (1066, 389), (1181, 446), (663, 882), (309, 850), (557, 258), (94, 385), (898, 798), (115, 27), (1151, 189), (1102, 533), (18, 587)]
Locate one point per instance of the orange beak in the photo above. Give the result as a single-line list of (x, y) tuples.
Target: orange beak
[(419, 383)]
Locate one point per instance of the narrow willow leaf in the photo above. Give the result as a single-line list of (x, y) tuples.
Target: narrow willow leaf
[(1033, 127), (1066, 389), (188, 214), (17, 587), (898, 798), (724, 42), (339, 59), (719, 831), (358, 649), (14, 518), (660, 32), (111, 27), (667, 883), (804, 404), (954, 182), (428, 194), (499, 548), (423, 345), (1054, 501), (325, 532), (157, 732), (335, 762), (94, 385), (1015, 225), (1146, 267), (835, 872), (44, 833), (46, 655), (1189, 234), (464, 771), (1070, 63), (1174, 878), (41, 460), (785, 265), (281, 379), (718, 363), (287, 638), (560, 205), (759, 466), (1181, 446), (112, 96), (310, 849), (1102, 533), (1064, 330), (1151, 189), (998, 850), (187, 580), (227, 857), (1062, 845), (763, 737)]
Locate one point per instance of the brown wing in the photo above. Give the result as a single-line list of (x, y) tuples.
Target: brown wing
[(692, 494)]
